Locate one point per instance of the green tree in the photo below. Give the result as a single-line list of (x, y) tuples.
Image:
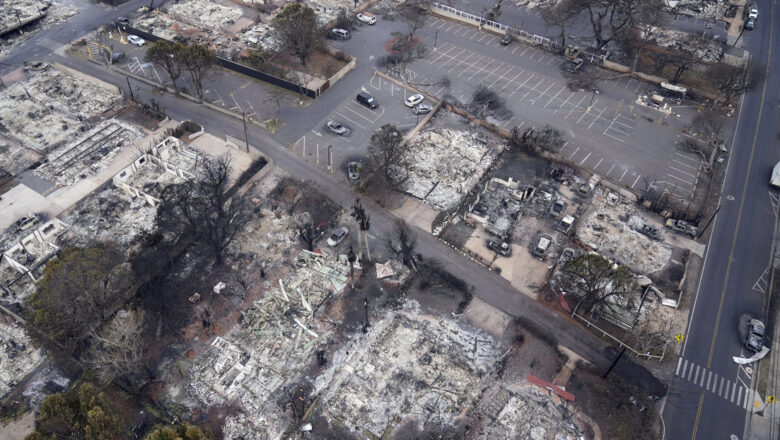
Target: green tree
[(183, 431), (297, 29), (196, 59), (166, 55), (77, 293), (79, 414), (594, 279)]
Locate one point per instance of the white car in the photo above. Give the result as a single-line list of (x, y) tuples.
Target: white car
[(414, 100), (753, 14), (135, 39), (338, 236), (366, 17)]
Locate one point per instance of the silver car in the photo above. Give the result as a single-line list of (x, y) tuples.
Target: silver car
[(338, 236), (337, 128)]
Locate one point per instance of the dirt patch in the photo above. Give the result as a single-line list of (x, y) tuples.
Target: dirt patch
[(530, 355), (457, 233), (321, 64), (137, 116), (621, 410)]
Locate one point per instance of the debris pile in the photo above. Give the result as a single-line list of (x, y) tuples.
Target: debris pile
[(529, 413), (18, 358), (21, 11), (260, 36), (410, 366), (269, 350), (50, 106), (205, 13), (163, 26), (498, 206), (678, 41), (88, 155), (441, 166), (610, 228), (705, 9)]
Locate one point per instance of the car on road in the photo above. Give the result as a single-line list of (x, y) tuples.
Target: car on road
[(422, 109), (336, 127), (750, 24), (135, 39), (501, 248), (506, 40), (753, 14), (413, 100), (338, 236), (366, 17), (367, 100), (754, 335)]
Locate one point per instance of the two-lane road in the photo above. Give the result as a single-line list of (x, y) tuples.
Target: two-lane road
[(710, 396)]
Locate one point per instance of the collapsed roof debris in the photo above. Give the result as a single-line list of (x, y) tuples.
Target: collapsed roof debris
[(706, 9), (529, 413), (611, 227), (24, 252), (21, 11), (204, 13), (88, 155), (18, 358), (710, 51), (441, 166), (498, 206), (410, 366)]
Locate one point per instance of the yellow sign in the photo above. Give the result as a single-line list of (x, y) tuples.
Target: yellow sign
[(771, 399), (678, 338)]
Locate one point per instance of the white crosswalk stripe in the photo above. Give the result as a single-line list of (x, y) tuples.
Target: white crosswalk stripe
[(731, 391)]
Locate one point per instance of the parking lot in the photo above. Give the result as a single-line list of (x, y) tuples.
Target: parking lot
[(606, 131), (360, 121)]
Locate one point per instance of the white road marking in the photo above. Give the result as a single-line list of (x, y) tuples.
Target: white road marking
[(610, 170), (702, 377), (597, 118), (709, 377), (685, 164), (733, 392), (575, 152), (621, 178), (720, 393), (680, 179), (634, 186), (586, 159), (597, 165), (683, 172)]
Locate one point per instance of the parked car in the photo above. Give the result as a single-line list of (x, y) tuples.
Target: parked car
[(542, 245), (116, 56), (422, 109), (754, 335), (506, 40), (556, 209), (367, 100), (24, 223), (750, 24), (366, 17), (573, 66), (413, 100), (135, 39), (341, 34), (682, 227), (753, 14), (338, 236), (337, 128), (501, 248)]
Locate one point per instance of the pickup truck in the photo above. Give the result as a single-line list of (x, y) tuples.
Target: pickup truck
[(775, 180)]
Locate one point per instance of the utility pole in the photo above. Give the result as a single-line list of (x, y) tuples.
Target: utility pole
[(708, 222), (246, 134), (129, 87), (620, 355)]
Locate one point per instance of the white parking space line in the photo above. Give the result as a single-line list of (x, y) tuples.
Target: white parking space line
[(620, 180), (551, 60), (515, 49), (608, 172), (350, 120), (685, 165), (597, 165), (510, 81), (563, 147), (450, 27), (372, 121), (468, 33), (441, 25), (482, 38), (459, 62), (682, 172), (479, 61), (523, 84), (613, 137), (597, 118), (460, 29), (526, 50), (445, 54), (482, 68), (688, 158), (554, 96), (633, 185), (500, 78), (574, 152), (680, 179), (582, 162)]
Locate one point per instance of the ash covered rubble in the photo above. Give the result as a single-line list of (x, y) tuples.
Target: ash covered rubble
[(203, 13), (256, 361), (498, 206), (18, 358), (50, 108), (23, 253), (614, 227), (710, 51), (706, 9), (441, 166)]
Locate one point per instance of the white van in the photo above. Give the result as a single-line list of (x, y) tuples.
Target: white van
[(340, 33)]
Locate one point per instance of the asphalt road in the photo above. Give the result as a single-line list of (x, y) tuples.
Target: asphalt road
[(707, 398)]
